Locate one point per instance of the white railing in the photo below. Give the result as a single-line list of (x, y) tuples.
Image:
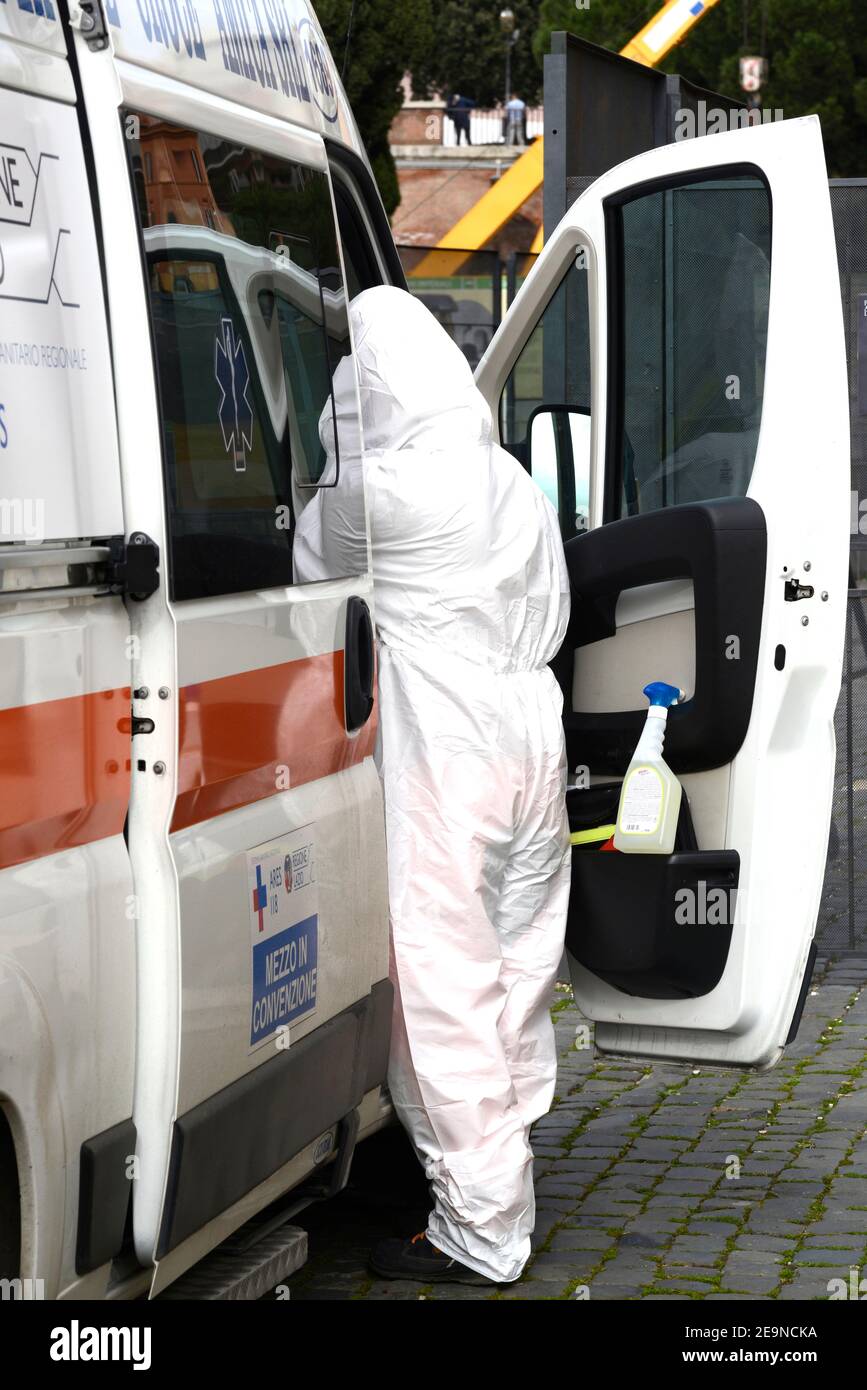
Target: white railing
[(487, 127)]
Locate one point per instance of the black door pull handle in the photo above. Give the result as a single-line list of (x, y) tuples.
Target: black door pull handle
[(358, 664)]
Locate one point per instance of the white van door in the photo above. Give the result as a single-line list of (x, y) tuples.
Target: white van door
[(277, 830), (688, 305), (256, 815)]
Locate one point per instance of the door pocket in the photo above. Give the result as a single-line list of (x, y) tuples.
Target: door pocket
[(655, 926)]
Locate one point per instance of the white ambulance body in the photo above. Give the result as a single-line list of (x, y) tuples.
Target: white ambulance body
[(194, 998), (179, 863)]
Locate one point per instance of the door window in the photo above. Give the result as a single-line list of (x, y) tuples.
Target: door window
[(249, 320), (362, 269), (545, 405), (691, 269)]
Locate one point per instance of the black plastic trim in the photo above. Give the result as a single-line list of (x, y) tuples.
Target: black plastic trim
[(104, 1194), (802, 996), (623, 925), (379, 1035), (722, 547), (612, 477), (234, 1140), (359, 664), (135, 565), (355, 167)]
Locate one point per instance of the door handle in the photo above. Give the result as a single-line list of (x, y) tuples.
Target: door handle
[(358, 664)]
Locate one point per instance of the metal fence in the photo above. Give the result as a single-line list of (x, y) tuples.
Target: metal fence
[(490, 127), (842, 923)]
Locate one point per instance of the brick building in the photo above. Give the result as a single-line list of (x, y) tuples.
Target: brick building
[(440, 180)]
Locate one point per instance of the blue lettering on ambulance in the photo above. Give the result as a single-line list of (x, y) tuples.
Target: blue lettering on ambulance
[(44, 8), (258, 41)]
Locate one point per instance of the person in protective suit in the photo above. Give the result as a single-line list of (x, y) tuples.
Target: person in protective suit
[(472, 601)]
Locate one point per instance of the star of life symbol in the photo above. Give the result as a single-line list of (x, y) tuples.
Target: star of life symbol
[(233, 378)]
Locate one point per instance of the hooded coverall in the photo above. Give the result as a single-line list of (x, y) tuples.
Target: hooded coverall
[(472, 601)]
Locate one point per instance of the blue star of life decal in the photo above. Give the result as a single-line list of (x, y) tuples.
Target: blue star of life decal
[(233, 378)]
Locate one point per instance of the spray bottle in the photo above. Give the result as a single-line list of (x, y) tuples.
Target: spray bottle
[(650, 795)]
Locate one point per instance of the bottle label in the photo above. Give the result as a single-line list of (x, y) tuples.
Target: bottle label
[(641, 808)]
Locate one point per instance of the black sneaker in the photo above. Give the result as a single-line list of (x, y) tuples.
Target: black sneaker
[(418, 1259)]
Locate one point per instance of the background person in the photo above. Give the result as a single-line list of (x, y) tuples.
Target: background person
[(516, 121), (458, 109)]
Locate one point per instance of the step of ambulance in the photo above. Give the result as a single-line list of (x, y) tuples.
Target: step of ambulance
[(238, 1271)]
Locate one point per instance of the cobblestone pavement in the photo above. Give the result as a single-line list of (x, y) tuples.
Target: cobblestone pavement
[(658, 1181)]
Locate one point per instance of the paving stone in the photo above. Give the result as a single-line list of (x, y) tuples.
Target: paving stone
[(754, 1259), (692, 1259), (530, 1291), (842, 1221), (453, 1293), (559, 1187), (802, 1289), (649, 1203), (674, 1282), (734, 1297), (658, 1226), (757, 1282), (565, 1259), (778, 1244), (643, 1240), (683, 1186), (614, 1291), (630, 1168), (621, 1270), (546, 1222), (672, 1297), (590, 1221), (815, 1255), (578, 1241)]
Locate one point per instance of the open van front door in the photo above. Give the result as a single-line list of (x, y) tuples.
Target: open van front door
[(689, 304)]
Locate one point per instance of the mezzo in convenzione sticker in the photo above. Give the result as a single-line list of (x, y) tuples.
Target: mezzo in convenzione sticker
[(284, 931)]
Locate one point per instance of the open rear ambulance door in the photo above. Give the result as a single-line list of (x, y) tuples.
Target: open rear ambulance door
[(689, 304)]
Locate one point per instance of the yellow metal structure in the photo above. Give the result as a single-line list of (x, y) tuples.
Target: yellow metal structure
[(666, 29), (503, 199), (495, 207)]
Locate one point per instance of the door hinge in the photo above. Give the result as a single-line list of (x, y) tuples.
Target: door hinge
[(88, 17), (134, 566), (794, 590)]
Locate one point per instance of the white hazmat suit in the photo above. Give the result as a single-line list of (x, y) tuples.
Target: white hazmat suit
[(472, 602)]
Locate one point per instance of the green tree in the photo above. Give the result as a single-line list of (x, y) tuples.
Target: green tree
[(384, 42), (469, 53), (817, 57)]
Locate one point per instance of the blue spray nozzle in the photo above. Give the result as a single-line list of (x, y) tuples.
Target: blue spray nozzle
[(659, 693)]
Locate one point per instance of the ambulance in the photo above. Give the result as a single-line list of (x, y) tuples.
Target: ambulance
[(195, 1005)]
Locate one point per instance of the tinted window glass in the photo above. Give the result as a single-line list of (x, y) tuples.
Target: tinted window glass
[(694, 280), (545, 406), (250, 320), (362, 270)]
